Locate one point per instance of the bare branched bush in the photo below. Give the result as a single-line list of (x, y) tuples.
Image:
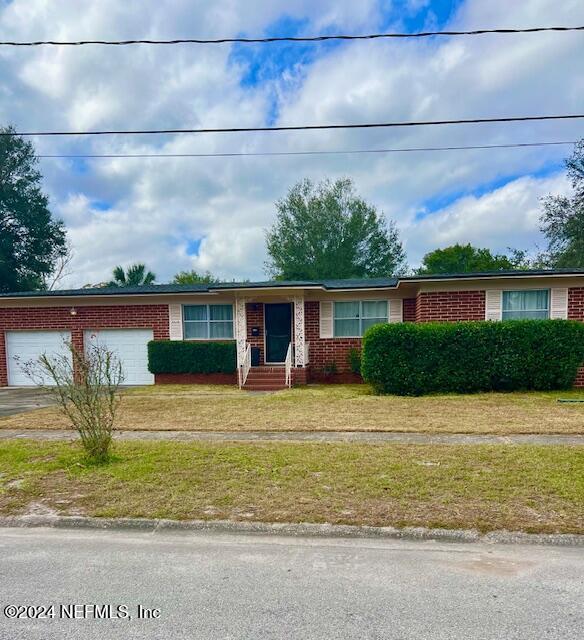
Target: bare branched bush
[(86, 388)]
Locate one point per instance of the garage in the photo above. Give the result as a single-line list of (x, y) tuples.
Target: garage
[(131, 347), (25, 346)]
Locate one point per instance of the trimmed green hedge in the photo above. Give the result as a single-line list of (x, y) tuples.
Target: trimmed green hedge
[(175, 356), (465, 357)]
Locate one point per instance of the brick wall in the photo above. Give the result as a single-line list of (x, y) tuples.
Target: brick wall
[(254, 314), (325, 351), (450, 306), (409, 310), (576, 312), (146, 316), (576, 304)]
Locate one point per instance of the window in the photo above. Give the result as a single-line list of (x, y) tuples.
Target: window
[(352, 319), (526, 305), (208, 321)]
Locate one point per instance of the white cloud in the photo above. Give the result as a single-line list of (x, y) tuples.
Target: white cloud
[(502, 218), (159, 206)]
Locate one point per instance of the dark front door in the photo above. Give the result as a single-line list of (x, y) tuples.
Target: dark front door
[(278, 322)]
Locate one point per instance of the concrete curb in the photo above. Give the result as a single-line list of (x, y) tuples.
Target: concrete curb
[(293, 530)]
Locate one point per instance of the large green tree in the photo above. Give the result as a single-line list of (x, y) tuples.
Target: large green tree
[(562, 220), (193, 277), (460, 258), (31, 240), (134, 276), (327, 231)]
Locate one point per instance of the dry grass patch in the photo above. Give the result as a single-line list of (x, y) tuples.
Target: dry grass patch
[(487, 487), (330, 408)]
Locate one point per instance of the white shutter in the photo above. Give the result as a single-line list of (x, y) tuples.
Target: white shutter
[(493, 304), (326, 319), (175, 327), (396, 310), (559, 304)]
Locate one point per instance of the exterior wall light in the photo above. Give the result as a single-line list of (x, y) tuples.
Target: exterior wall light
[(73, 311)]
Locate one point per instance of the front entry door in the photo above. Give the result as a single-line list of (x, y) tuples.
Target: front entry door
[(278, 322)]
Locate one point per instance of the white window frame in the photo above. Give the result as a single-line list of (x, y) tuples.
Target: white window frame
[(208, 322), (361, 318), (548, 309)]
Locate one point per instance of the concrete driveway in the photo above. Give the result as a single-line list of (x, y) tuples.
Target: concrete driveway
[(18, 400)]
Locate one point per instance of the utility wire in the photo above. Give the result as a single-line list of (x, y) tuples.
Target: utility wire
[(303, 153), (369, 36), (421, 123)]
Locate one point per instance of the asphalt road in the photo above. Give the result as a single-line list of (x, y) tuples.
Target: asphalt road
[(240, 586)]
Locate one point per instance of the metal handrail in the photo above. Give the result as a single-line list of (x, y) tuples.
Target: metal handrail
[(288, 365), (245, 366)]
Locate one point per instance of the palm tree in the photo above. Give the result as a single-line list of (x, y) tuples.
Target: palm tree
[(135, 276)]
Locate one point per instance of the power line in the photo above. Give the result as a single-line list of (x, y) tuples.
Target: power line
[(323, 38), (303, 153), (420, 123)]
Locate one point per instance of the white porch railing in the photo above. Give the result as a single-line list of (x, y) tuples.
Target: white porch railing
[(245, 366), (306, 353), (288, 365)]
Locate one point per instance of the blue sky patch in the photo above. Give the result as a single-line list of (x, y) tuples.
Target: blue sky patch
[(434, 16), (101, 205), (193, 246), (445, 199), (275, 62)]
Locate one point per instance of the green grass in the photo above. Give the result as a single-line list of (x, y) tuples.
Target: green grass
[(488, 487)]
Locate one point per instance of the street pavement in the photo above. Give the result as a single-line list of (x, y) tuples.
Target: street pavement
[(223, 585)]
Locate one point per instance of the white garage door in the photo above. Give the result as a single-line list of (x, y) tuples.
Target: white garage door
[(130, 346), (25, 346)]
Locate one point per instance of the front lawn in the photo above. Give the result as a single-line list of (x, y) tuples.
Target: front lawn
[(330, 408), (487, 487)]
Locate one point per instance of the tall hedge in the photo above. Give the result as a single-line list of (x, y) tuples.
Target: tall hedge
[(464, 357), (175, 356)]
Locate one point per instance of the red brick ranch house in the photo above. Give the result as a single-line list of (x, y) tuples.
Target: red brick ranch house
[(284, 332)]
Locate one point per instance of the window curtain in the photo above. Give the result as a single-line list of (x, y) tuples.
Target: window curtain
[(525, 304), (221, 325), (347, 319)]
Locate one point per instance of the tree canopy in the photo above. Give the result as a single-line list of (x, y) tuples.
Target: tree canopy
[(193, 277), (134, 276), (562, 220), (460, 258), (31, 240), (327, 231)]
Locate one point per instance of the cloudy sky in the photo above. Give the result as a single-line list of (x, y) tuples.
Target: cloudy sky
[(210, 213)]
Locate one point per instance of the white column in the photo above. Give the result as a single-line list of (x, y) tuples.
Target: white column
[(299, 331), (240, 329)]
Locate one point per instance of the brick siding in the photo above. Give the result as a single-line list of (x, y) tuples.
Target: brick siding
[(409, 310), (254, 315), (147, 316), (325, 351), (195, 378), (576, 312), (450, 306), (576, 304)]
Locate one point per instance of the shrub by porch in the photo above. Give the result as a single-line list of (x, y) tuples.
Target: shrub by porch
[(181, 361), (466, 357)]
